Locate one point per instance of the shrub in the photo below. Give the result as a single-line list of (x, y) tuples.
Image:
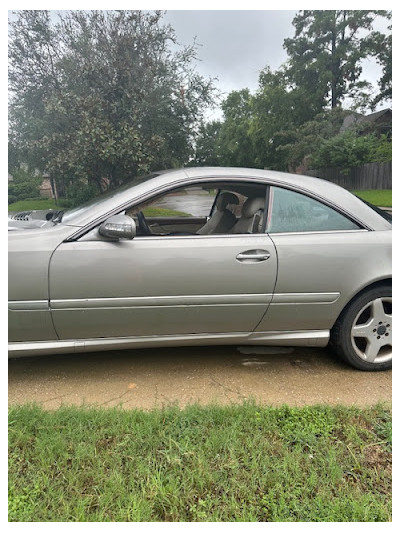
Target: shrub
[(24, 185), (79, 192), (350, 149)]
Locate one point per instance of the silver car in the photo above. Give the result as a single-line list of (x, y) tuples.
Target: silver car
[(206, 256)]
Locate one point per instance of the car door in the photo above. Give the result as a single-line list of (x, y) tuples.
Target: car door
[(161, 285)]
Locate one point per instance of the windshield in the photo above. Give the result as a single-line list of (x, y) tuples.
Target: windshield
[(68, 215)]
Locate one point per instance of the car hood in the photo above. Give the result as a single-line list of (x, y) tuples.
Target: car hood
[(30, 219), (14, 225)]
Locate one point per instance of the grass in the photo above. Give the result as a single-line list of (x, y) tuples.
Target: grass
[(222, 464), (381, 198), (28, 205), (163, 212)]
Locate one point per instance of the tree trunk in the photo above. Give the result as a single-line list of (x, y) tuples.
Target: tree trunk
[(54, 189), (334, 66)]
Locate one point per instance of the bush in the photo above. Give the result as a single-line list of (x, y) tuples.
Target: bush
[(24, 185), (79, 192), (350, 149), (383, 151)]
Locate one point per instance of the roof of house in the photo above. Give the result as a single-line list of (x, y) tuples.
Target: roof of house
[(357, 118)]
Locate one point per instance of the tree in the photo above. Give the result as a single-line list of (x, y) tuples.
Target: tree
[(265, 129), (235, 140), (327, 49), (277, 110), (299, 143), (350, 149), (208, 151), (100, 96), (384, 59)]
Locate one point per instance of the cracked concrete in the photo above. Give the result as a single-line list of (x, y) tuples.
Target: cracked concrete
[(156, 377)]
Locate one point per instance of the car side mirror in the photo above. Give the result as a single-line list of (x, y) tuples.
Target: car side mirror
[(118, 227)]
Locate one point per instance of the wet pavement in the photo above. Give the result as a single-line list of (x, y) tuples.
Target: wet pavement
[(156, 377), (197, 203)]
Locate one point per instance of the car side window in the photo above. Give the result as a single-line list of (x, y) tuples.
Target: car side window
[(209, 209), (187, 202), (183, 202), (290, 211)]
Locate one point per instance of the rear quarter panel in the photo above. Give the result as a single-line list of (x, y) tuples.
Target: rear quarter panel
[(318, 274)]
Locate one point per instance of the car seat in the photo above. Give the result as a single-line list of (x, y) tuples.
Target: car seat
[(222, 220)]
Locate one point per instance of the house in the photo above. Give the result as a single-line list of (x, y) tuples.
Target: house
[(380, 122), (45, 188), (369, 176)]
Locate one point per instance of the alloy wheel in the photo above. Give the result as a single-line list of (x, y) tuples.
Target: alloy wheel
[(371, 331)]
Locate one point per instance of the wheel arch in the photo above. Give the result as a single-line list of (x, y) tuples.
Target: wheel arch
[(385, 282)]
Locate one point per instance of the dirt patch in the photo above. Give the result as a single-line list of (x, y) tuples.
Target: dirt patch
[(375, 456), (156, 377)]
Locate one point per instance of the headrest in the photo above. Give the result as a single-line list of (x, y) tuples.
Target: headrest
[(251, 206), (226, 198)]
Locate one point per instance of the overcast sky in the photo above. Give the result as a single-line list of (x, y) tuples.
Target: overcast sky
[(237, 45)]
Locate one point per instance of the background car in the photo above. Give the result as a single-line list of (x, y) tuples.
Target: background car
[(203, 256)]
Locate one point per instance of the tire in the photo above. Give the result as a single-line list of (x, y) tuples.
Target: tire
[(362, 335)]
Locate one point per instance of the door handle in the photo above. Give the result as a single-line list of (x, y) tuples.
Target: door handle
[(253, 256)]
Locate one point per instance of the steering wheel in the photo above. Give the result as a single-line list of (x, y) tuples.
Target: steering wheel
[(143, 226)]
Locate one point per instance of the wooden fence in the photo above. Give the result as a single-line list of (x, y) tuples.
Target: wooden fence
[(369, 176)]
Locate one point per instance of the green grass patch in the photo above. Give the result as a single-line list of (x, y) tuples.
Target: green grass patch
[(30, 205), (381, 198), (48, 203), (215, 463), (163, 212)]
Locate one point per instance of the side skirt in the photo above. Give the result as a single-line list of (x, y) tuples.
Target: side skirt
[(317, 338)]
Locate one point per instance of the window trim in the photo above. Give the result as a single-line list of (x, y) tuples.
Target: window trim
[(214, 203), (319, 232), (247, 235), (266, 208)]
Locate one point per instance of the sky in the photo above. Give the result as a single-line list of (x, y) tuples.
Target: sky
[(237, 44)]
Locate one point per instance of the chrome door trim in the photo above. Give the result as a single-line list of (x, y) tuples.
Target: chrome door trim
[(194, 300), (161, 301), (199, 237), (317, 232), (305, 298), (28, 305), (241, 235)]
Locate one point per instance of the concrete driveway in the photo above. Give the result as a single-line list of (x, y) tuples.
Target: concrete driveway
[(156, 377)]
